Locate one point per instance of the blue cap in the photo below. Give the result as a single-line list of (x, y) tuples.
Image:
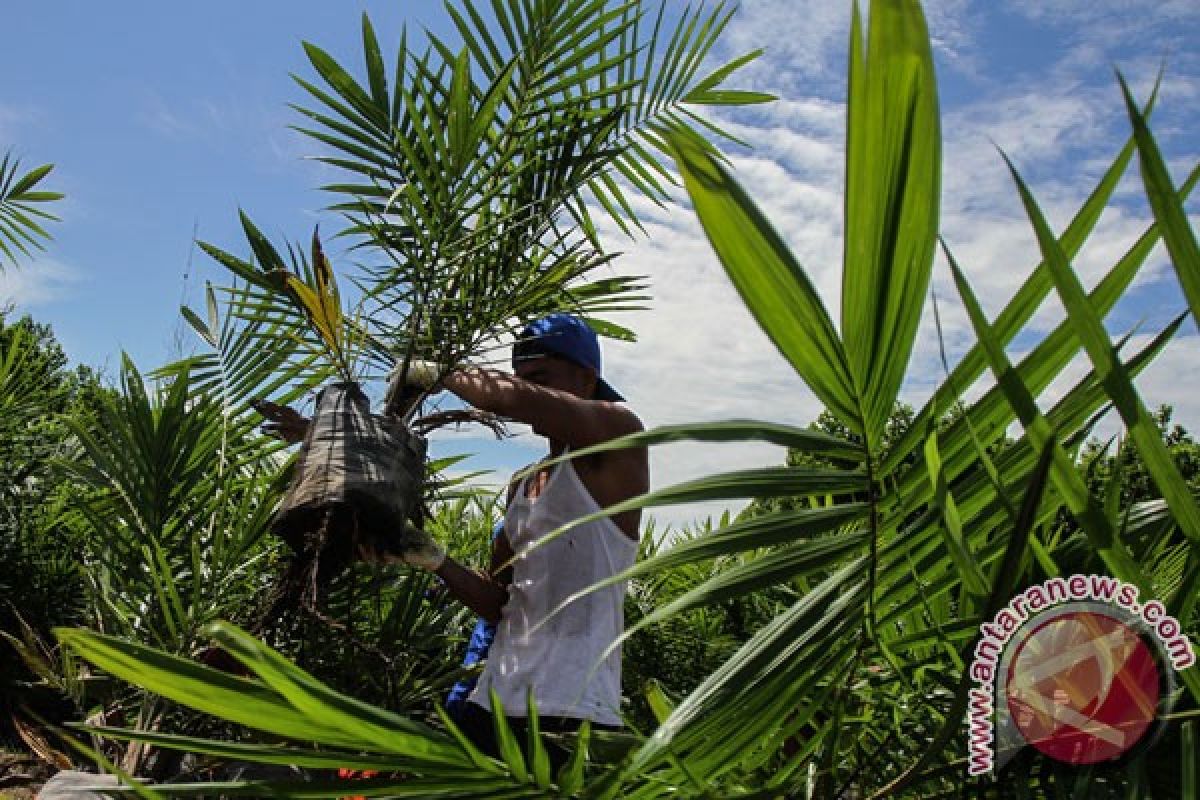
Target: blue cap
[(567, 336)]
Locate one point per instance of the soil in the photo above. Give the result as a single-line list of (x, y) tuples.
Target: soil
[(21, 775)]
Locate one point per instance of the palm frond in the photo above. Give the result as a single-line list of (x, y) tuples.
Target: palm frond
[(1166, 204), (21, 214), (893, 187)]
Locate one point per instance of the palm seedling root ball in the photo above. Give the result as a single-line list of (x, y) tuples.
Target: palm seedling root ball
[(356, 487)]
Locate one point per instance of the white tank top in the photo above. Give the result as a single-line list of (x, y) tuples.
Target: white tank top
[(558, 657)]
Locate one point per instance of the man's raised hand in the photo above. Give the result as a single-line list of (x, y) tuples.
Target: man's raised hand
[(283, 422)]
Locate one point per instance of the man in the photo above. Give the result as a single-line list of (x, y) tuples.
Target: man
[(544, 644)]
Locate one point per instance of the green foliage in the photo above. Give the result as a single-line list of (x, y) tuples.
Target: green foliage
[(1167, 205), (166, 529), (677, 654), (1123, 464), (471, 166), (285, 702), (1124, 486), (143, 512), (21, 215), (851, 678), (534, 104), (40, 579), (173, 521)]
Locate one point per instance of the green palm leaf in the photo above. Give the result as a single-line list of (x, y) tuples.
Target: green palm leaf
[(774, 287), (21, 214), (1067, 480), (1167, 205), (239, 366), (284, 701), (1007, 575), (1027, 299), (281, 703), (771, 675), (1111, 372), (175, 509), (893, 186), (991, 415)]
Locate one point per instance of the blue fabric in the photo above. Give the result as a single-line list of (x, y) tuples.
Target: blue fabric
[(477, 650)]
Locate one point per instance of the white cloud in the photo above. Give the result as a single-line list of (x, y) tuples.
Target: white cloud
[(1172, 378), (952, 29), (700, 355), (170, 122), (806, 40), (36, 282), (803, 42)]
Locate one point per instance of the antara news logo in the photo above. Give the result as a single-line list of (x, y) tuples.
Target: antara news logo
[(1078, 668)]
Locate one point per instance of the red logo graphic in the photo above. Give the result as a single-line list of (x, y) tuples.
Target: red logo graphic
[(1083, 687)]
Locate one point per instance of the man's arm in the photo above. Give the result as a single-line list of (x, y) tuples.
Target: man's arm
[(553, 413), (485, 593)]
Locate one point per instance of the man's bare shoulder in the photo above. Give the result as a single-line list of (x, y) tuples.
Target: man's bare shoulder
[(620, 420), (627, 465)]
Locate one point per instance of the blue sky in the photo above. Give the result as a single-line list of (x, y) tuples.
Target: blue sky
[(164, 119)]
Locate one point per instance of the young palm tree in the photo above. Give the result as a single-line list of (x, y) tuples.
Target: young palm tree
[(859, 686), (471, 170)]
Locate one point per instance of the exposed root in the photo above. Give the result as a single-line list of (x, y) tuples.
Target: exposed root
[(441, 419), (320, 554)]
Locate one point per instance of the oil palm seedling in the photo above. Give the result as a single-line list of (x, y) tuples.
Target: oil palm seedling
[(172, 531), (886, 569), (167, 510), (471, 168)]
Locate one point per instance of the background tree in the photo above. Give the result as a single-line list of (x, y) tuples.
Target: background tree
[(41, 584), (826, 422), (1106, 461)]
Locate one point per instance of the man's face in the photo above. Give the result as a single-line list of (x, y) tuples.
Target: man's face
[(555, 372)]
